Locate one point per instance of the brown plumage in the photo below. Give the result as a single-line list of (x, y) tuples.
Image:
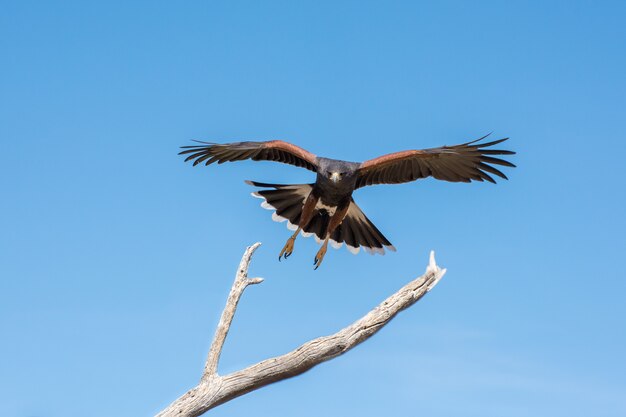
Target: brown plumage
[(460, 163), (274, 150), (326, 208)]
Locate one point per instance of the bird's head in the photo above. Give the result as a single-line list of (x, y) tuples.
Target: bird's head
[(339, 173)]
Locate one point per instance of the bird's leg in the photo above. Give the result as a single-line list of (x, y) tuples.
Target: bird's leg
[(288, 248), (308, 208), (335, 221), (319, 256)]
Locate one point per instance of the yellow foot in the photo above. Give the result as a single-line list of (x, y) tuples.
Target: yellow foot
[(287, 249), (319, 257)]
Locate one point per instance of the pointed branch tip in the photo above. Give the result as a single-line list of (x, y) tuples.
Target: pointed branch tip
[(253, 247), (432, 265)]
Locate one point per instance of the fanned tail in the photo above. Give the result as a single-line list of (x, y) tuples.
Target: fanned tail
[(356, 230)]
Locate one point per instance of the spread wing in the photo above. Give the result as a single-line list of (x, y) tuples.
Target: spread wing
[(467, 162), (274, 150)]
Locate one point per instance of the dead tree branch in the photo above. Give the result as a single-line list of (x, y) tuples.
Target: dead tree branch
[(240, 284), (215, 389)]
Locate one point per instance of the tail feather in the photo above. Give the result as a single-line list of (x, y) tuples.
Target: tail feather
[(286, 200), (355, 231), (318, 225)]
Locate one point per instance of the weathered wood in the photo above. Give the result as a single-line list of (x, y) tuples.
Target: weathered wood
[(215, 389), (240, 284)]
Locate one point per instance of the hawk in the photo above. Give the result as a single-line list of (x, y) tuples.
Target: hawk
[(326, 208)]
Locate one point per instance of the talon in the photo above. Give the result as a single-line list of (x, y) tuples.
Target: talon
[(317, 263), (287, 249), (319, 257)]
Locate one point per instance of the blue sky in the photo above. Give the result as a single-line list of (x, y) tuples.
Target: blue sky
[(116, 257)]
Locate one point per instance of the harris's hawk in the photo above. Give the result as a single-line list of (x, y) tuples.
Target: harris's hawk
[(325, 208)]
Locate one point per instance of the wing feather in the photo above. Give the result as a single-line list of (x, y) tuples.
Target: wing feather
[(466, 162), (274, 150)]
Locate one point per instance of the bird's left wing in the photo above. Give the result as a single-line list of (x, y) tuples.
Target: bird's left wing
[(274, 150), (466, 162)]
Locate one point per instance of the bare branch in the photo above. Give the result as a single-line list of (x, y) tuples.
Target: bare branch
[(214, 390), (240, 284)]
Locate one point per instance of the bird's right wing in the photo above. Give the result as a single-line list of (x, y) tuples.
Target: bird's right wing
[(274, 150), (466, 162)]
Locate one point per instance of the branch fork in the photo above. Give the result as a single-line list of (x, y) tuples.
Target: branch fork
[(215, 389)]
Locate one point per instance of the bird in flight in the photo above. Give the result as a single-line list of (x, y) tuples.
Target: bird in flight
[(326, 208)]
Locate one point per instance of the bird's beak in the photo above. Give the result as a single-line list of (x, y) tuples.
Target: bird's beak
[(335, 177)]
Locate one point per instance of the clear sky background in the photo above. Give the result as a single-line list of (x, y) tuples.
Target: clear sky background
[(116, 257)]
